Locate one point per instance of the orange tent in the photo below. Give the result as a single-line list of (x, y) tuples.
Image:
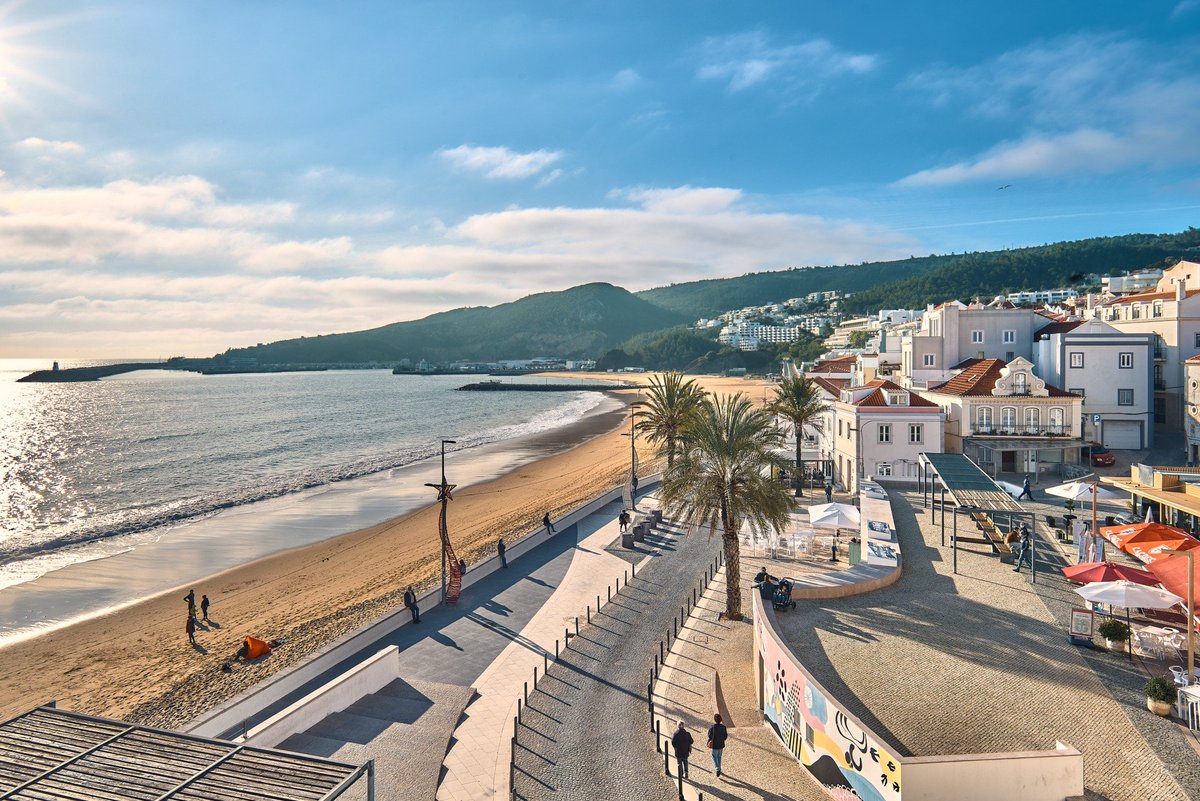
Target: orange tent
[(256, 648), (1172, 571)]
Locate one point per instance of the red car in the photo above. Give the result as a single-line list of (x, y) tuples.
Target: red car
[(1100, 456)]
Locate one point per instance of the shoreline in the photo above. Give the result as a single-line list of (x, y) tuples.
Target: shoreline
[(135, 662)]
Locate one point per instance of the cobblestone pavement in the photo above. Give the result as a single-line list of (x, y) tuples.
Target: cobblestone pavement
[(585, 732), (976, 662), (756, 765)]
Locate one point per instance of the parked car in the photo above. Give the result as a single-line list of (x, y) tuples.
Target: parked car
[(1099, 455)]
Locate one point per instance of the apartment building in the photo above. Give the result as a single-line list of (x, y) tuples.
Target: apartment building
[(1112, 371), (877, 432)]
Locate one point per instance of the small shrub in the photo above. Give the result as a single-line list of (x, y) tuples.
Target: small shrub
[(1114, 630), (1160, 688)]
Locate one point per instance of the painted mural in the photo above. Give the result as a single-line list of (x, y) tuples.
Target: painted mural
[(848, 761)]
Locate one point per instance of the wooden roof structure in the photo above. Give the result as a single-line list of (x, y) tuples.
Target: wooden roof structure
[(50, 754), (968, 485)]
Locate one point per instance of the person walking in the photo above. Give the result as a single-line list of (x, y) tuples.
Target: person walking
[(410, 601), (204, 607), (501, 549), (549, 526), (828, 491), (1026, 490), (623, 519), (717, 735), (190, 628), (681, 741), (833, 547), (1024, 549)]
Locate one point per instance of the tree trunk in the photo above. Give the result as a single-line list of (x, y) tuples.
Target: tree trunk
[(670, 452), (733, 576), (799, 473)]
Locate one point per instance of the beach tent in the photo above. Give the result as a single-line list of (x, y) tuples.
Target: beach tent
[(1092, 572), (256, 648)]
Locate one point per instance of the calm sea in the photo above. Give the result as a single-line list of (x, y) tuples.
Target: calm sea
[(90, 470)]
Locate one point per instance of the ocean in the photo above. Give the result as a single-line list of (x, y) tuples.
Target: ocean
[(96, 470)]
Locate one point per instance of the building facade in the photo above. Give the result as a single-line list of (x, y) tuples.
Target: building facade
[(878, 430)]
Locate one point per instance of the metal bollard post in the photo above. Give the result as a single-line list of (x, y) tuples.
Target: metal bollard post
[(657, 738), (556, 650), (526, 697), (512, 771), (609, 593), (666, 760), (597, 603), (545, 667), (577, 625), (535, 677), (521, 709), (589, 613), (633, 568), (661, 655), (626, 578), (675, 627)]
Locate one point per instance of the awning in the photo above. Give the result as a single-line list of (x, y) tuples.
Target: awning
[(1025, 444), (1172, 572)]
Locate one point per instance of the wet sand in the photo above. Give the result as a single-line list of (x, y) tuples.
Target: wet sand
[(135, 663)]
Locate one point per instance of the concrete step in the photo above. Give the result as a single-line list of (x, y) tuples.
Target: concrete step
[(349, 727), (391, 708), (313, 745)]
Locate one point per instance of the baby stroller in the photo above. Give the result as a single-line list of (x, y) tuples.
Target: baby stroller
[(782, 598)]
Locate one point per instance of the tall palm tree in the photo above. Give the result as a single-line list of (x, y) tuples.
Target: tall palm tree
[(799, 400), (663, 416), (722, 480)]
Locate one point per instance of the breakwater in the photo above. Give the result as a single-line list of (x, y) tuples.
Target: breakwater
[(512, 386)]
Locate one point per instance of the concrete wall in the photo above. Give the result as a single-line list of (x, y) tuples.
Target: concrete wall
[(1027, 775), (227, 718), (368, 677)]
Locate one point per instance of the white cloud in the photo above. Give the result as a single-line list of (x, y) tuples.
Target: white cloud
[(35, 144), (749, 59), (1086, 104), (1184, 7), (500, 162), (684, 199), (625, 80)]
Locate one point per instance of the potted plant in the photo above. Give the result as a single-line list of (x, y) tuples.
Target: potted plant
[(1070, 504), (1115, 634), (1160, 695)]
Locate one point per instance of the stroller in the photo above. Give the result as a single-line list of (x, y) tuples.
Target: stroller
[(782, 598)]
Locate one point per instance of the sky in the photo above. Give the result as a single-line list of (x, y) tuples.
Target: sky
[(180, 178)]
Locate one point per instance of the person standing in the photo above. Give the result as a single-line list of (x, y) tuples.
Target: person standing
[(410, 601), (190, 628), (190, 599), (1024, 550), (1026, 490), (681, 741), (501, 548), (828, 491), (833, 547), (623, 519), (204, 607), (717, 735), (549, 526)]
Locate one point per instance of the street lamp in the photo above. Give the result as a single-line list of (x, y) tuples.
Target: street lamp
[(1191, 600), (444, 489)]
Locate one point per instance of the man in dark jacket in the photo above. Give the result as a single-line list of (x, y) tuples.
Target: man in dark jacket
[(410, 601), (502, 549), (681, 742), (717, 735)]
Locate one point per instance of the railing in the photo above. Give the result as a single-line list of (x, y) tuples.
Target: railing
[(1160, 384), (1018, 431)]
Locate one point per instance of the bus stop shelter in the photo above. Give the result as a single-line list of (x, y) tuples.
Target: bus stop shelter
[(953, 478), (51, 753)]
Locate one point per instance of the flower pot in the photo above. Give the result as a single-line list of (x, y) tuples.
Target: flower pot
[(1161, 708), (1115, 645)]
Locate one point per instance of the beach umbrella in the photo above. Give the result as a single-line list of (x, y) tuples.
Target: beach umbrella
[(1171, 571), (1148, 545), (1119, 535), (1079, 490), (1129, 595), (834, 515), (1092, 572)]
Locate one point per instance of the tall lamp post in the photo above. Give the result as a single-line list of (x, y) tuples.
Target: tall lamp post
[(444, 489), (1191, 601), (633, 480)]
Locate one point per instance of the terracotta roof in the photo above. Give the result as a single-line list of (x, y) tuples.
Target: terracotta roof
[(841, 364), (978, 378), (1148, 296), (1060, 327), (833, 386), (877, 398), (1194, 360)]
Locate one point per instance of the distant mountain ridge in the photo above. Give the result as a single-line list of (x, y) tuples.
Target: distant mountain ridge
[(586, 321)]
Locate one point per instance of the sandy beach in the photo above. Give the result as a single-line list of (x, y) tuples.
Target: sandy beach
[(136, 663)]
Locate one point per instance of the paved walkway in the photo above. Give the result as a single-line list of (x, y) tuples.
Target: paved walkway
[(979, 661), (586, 730)]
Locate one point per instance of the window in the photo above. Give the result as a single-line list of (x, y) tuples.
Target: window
[(1124, 397), (1008, 419), (1157, 308), (983, 419), (1020, 383), (1135, 312), (916, 433), (839, 428), (1076, 358), (883, 470), (1056, 420), (1158, 377), (1033, 419), (1125, 360), (927, 358), (1009, 336), (885, 432), (1079, 391), (977, 337), (1198, 339)]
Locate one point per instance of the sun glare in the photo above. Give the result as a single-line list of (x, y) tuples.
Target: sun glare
[(23, 58)]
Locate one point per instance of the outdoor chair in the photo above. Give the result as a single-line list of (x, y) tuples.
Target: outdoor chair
[(1148, 644), (1051, 521), (1179, 674)]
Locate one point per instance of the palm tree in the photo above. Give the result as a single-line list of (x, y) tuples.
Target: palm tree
[(664, 415), (722, 480), (799, 400)]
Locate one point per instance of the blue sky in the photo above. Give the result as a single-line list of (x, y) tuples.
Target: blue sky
[(184, 177)]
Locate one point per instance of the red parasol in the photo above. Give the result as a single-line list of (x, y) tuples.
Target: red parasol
[(1090, 572)]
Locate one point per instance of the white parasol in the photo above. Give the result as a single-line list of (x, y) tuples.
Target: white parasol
[(833, 515)]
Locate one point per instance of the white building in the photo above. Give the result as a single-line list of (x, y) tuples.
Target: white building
[(1111, 370), (1192, 409), (1141, 281), (1007, 419), (1042, 296), (744, 331), (878, 431)]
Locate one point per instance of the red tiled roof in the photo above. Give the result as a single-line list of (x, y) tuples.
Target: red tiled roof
[(1060, 327), (877, 397), (841, 364), (831, 385), (978, 378), (1148, 296)]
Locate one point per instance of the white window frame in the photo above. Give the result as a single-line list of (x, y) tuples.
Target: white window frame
[(928, 360), (977, 336), (1033, 418), (1009, 336), (883, 470), (1120, 395), (884, 433), (916, 433), (1008, 419), (1075, 359), (1125, 360), (983, 419), (1020, 383), (1059, 426)]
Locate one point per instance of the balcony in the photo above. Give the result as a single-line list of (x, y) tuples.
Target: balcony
[(1160, 385), (1160, 355), (1018, 431)]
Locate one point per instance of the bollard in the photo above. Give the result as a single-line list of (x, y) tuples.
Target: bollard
[(514, 728), (661, 655), (526, 696), (693, 596), (666, 761), (520, 708), (545, 667), (626, 578), (675, 627), (512, 771), (609, 593), (657, 738), (633, 568), (535, 676), (577, 625), (597, 603), (556, 650), (650, 703), (589, 613)]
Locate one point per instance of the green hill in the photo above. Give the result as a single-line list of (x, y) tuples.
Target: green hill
[(580, 322)]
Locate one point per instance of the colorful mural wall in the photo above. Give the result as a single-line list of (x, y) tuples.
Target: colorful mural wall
[(847, 759)]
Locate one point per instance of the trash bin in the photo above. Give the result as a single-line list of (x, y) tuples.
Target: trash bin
[(639, 532), (658, 516), (627, 539), (855, 552)]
